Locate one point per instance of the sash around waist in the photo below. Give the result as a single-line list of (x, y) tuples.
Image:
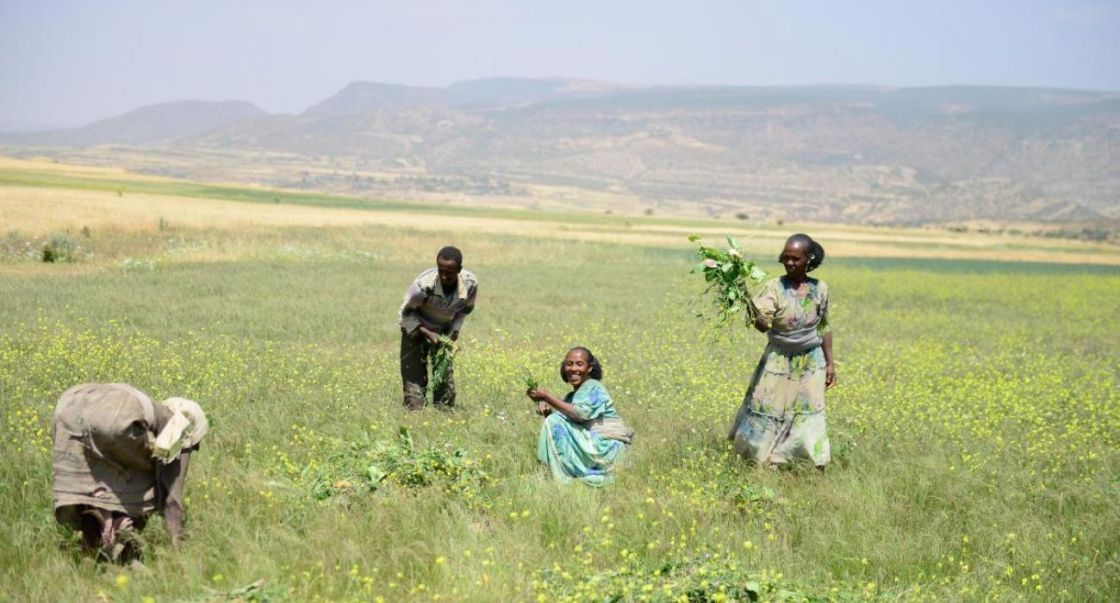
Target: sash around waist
[(796, 341), (612, 428)]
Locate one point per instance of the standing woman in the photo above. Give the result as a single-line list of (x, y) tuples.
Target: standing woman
[(782, 416)]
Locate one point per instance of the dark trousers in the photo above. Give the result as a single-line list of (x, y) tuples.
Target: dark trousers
[(416, 353)]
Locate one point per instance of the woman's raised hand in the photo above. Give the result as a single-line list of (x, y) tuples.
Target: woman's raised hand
[(761, 323), (540, 396)]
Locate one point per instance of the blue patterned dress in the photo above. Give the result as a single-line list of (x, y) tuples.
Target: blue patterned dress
[(571, 449)]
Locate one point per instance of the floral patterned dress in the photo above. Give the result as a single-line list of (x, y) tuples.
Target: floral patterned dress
[(782, 415), (574, 450)]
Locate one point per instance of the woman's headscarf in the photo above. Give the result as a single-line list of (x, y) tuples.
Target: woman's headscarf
[(185, 428)]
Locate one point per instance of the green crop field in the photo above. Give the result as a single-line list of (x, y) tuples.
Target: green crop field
[(975, 427)]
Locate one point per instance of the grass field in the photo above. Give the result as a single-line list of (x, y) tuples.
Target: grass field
[(975, 428)]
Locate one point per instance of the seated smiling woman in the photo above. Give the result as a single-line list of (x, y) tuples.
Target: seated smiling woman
[(582, 436)]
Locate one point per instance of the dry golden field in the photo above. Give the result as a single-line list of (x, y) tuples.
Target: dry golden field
[(39, 211)]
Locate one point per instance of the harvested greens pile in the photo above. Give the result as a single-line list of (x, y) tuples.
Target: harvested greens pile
[(729, 275), (368, 465)]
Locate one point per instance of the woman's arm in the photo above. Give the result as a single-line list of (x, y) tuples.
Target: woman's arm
[(429, 334), (829, 368), (543, 395), (172, 479), (765, 308)]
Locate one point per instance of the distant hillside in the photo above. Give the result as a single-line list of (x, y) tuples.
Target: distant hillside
[(150, 124), (843, 153), (491, 93), (363, 97)]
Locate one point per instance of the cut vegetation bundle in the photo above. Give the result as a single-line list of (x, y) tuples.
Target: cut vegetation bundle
[(729, 275), (442, 362)]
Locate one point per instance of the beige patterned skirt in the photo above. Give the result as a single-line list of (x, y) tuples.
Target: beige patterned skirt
[(782, 417)]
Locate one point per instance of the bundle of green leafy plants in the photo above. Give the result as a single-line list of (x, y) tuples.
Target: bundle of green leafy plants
[(729, 275), (442, 361), (530, 381)]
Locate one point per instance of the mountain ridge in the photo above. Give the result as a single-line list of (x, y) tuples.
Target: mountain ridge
[(853, 153), (148, 124)]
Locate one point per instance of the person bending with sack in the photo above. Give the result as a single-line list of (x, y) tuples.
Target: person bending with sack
[(117, 459)]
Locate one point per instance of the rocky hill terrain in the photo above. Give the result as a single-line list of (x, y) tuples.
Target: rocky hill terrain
[(835, 153), (151, 124)]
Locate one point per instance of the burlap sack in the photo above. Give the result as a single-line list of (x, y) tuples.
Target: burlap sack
[(103, 436)]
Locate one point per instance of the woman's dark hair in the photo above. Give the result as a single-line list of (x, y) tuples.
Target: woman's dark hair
[(816, 252), (596, 368)]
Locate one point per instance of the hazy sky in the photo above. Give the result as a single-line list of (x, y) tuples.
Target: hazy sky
[(70, 62)]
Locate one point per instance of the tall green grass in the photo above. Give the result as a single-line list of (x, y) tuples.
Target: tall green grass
[(975, 429)]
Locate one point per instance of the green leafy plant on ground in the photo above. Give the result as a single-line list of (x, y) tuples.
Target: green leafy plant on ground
[(368, 466), (258, 591), (706, 576)]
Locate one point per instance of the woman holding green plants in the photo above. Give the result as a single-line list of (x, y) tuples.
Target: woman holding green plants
[(782, 417), (582, 436)]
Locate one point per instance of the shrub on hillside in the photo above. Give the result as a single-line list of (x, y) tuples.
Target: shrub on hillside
[(60, 248)]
